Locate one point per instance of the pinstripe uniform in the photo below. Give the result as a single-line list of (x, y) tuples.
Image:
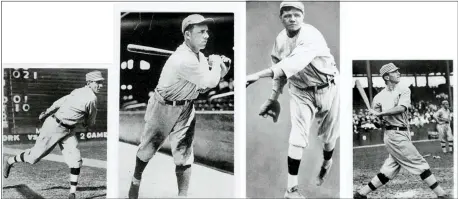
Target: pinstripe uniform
[(170, 111), (402, 153), (308, 64)]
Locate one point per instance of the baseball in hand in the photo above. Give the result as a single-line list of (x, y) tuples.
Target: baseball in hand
[(226, 60)]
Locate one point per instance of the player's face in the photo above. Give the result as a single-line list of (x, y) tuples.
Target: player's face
[(292, 19), (198, 36), (395, 76), (96, 86), (446, 105)]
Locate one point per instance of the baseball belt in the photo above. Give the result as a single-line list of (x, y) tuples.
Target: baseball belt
[(315, 88), (62, 124), (396, 128), (177, 103)]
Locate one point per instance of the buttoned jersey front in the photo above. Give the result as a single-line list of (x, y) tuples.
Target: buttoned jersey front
[(388, 99), (185, 74), (78, 106), (305, 58)]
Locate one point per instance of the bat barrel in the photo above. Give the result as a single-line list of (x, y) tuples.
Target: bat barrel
[(148, 50)]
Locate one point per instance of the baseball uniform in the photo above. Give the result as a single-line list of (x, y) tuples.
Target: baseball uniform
[(312, 75), (392, 104), (402, 153), (444, 117), (170, 111), (80, 106)]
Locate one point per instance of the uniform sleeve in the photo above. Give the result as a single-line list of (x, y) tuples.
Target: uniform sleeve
[(274, 55), (56, 105), (200, 74), (404, 98), (92, 112), (376, 105), (304, 53)]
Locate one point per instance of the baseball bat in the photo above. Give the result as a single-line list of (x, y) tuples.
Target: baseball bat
[(148, 50), (363, 94)]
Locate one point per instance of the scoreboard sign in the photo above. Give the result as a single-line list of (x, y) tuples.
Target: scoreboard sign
[(28, 92)]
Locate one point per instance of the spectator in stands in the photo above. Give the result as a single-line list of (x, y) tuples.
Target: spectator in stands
[(231, 84)]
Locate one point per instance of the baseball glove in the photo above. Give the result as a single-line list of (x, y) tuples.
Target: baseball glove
[(270, 108), (43, 117)]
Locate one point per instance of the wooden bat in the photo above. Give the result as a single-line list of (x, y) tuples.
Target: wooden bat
[(363, 94), (148, 50)]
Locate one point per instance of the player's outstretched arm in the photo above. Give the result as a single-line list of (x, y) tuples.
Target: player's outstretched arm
[(272, 107), (252, 78)]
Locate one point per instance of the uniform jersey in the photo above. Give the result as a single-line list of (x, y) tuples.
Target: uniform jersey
[(78, 106), (305, 58), (443, 116), (388, 99), (185, 74)]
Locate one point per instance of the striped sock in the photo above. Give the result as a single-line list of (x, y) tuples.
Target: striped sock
[(376, 182), (431, 181), (74, 174), (444, 146), (450, 146), (17, 158)]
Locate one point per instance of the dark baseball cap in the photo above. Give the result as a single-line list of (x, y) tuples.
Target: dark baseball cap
[(195, 19)]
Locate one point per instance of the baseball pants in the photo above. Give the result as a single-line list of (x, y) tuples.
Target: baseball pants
[(176, 122), (52, 134), (445, 132), (323, 105), (402, 154)]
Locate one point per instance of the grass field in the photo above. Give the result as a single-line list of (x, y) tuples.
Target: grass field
[(50, 179), (368, 161)]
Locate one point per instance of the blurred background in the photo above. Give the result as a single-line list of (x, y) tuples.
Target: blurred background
[(139, 75), (429, 83), (28, 92)]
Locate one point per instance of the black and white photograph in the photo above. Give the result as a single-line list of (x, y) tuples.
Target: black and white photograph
[(292, 100), (54, 131), (403, 129), (176, 106)]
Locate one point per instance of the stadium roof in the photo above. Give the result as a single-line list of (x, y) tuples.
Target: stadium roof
[(407, 67)]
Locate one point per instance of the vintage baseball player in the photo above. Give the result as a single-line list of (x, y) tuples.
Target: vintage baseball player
[(300, 56), (80, 106), (444, 117), (392, 104), (170, 111)]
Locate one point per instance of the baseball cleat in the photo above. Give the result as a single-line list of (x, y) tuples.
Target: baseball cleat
[(133, 191), (6, 167), (324, 171), (357, 195), (71, 196), (293, 193)]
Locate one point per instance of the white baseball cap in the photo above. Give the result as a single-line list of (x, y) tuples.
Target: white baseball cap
[(195, 19), (94, 76), (294, 4), (388, 68)]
